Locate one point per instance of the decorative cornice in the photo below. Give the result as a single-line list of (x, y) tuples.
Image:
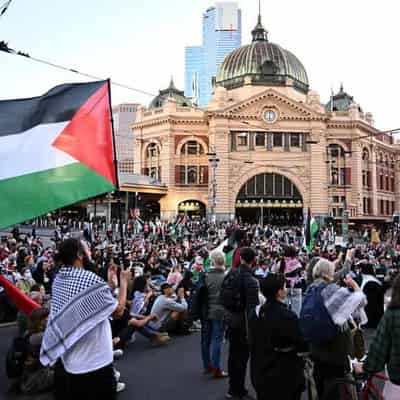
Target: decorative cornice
[(272, 94), (231, 111), (169, 120)]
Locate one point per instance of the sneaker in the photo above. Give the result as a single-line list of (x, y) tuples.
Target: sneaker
[(133, 337), (218, 374), (118, 354), (197, 325), (208, 371), (117, 375), (160, 340), (120, 387)]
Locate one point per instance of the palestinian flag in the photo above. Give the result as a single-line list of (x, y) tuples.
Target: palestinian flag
[(56, 150), (22, 301), (310, 231)]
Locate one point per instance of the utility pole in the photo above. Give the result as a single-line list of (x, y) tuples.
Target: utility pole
[(213, 198), (346, 212)]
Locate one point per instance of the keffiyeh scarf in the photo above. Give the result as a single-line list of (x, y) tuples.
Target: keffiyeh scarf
[(343, 304), (80, 301)]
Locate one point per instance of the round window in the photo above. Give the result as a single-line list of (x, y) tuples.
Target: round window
[(269, 115)]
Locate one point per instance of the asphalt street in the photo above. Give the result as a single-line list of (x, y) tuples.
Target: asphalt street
[(150, 373)]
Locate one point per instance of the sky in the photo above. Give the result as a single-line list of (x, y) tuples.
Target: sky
[(141, 43)]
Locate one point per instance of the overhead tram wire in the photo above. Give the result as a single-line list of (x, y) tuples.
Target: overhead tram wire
[(4, 48), (4, 7)]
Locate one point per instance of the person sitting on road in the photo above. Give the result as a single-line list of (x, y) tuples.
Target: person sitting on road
[(35, 377), (170, 310)]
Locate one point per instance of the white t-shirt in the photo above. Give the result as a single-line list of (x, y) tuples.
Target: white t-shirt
[(93, 351)]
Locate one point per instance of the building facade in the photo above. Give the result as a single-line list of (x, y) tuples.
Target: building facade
[(123, 115), (222, 32), (265, 148)]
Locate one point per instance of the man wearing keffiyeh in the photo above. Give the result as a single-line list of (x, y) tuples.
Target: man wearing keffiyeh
[(78, 337)]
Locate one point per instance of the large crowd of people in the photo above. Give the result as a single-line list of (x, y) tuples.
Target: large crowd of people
[(297, 315)]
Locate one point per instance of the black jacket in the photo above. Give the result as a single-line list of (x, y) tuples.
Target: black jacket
[(251, 299), (275, 340)]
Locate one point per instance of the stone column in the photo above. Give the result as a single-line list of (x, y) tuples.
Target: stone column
[(374, 186), (219, 138), (356, 190), (318, 193)]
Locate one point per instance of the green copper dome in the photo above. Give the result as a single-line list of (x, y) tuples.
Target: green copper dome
[(340, 101), (265, 63), (171, 92)]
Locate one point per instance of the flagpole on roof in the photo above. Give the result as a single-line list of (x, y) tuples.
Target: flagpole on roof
[(120, 224)]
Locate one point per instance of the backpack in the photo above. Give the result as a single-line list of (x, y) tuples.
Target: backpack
[(199, 299), (16, 356), (315, 322), (231, 295)]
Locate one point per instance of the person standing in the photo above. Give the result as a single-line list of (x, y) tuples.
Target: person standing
[(384, 350), (212, 328), (240, 296), (277, 372), (78, 338)]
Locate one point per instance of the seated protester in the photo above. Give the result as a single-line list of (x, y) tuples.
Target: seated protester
[(276, 369), (327, 310), (26, 281), (170, 310), (142, 296), (374, 291), (35, 377), (140, 307), (197, 268), (22, 319), (44, 274), (263, 270), (124, 327), (175, 277)]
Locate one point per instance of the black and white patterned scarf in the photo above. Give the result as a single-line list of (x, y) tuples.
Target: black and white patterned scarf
[(343, 304), (80, 301)]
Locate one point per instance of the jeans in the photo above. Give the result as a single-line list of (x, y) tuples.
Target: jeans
[(293, 300), (212, 334), (237, 361)]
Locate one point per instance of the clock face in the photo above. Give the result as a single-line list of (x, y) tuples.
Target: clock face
[(269, 115)]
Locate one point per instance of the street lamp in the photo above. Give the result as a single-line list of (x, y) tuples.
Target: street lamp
[(213, 164)]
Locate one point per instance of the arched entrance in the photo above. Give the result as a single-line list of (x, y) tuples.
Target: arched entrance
[(192, 208), (150, 210), (270, 198)]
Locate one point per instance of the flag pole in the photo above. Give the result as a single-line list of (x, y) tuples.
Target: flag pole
[(120, 225)]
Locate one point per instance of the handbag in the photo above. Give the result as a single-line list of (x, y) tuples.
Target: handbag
[(358, 341)]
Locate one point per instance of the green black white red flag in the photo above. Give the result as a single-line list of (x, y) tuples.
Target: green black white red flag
[(310, 231), (55, 150)]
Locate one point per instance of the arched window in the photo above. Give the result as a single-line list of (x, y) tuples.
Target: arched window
[(152, 165), (366, 170), (192, 164), (192, 148), (337, 165)]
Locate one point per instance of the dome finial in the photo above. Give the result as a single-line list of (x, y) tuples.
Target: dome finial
[(171, 83), (259, 33), (341, 87)]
